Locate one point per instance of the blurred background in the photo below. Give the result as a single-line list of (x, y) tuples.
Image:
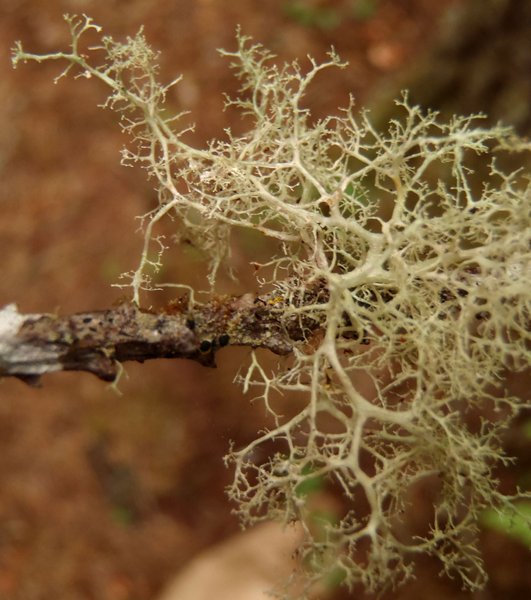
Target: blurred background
[(106, 496)]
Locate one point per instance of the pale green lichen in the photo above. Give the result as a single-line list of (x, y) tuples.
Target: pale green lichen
[(427, 275)]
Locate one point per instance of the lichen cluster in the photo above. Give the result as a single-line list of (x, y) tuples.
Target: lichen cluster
[(426, 272)]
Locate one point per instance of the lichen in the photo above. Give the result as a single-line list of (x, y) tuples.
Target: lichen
[(426, 304)]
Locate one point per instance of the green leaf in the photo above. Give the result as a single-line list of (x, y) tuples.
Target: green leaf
[(514, 522), (309, 486)]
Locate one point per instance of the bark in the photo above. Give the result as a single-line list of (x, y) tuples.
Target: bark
[(34, 344)]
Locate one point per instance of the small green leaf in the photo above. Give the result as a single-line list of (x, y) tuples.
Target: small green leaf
[(122, 515), (526, 428), (516, 525), (335, 577), (364, 9), (309, 486), (311, 16)]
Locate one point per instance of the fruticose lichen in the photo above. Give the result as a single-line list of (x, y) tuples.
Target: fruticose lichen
[(426, 272)]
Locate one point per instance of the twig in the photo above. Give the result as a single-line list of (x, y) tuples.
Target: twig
[(34, 344)]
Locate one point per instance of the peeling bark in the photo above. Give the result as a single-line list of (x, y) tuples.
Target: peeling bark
[(34, 344)]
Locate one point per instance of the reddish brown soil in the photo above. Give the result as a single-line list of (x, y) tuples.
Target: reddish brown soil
[(105, 496)]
